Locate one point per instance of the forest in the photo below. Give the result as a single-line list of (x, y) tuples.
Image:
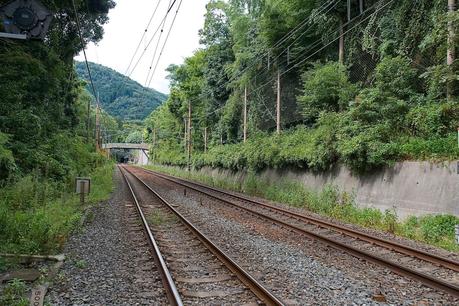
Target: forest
[(120, 96), (44, 137), (364, 87)]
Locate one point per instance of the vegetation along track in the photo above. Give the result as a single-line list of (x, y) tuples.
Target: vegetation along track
[(430, 269), (196, 262)]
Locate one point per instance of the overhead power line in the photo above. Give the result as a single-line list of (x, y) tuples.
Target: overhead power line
[(77, 18), (165, 41), (328, 44), (157, 46), (151, 40), (143, 36)]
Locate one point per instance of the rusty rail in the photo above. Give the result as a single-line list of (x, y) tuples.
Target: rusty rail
[(395, 267), (171, 290), (257, 288)]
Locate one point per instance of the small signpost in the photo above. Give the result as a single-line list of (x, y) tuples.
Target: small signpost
[(82, 187), (457, 233)]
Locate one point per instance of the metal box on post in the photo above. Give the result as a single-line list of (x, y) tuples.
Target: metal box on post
[(82, 187)]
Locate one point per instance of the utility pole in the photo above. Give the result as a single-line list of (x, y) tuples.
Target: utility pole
[(278, 123), (451, 53), (349, 10), (185, 139), (97, 128), (361, 6), (189, 135), (154, 145), (88, 123), (205, 139), (341, 42), (245, 114)]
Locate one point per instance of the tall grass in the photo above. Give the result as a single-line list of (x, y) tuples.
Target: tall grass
[(37, 215), (437, 230)]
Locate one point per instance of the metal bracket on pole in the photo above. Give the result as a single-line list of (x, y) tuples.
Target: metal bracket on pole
[(13, 36)]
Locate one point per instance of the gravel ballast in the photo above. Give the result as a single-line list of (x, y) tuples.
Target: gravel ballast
[(108, 261)]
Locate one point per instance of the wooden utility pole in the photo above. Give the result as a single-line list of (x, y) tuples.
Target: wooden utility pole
[(205, 139), (189, 136), (245, 114), (451, 53), (278, 121)]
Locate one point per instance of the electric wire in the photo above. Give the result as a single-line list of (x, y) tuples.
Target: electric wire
[(157, 46), (151, 40), (143, 36), (326, 45), (165, 42), (83, 46)]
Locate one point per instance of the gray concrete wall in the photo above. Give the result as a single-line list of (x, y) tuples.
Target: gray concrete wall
[(412, 188)]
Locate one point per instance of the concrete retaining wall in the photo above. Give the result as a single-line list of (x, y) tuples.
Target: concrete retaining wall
[(413, 188)]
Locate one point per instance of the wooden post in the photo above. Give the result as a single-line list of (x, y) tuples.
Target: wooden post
[(245, 114), (361, 6), (205, 139), (451, 53), (278, 123), (189, 136), (341, 43)]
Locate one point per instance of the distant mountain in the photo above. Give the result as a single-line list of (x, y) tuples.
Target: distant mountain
[(120, 96)]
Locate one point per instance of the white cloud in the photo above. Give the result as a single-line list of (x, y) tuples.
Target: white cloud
[(126, 26)]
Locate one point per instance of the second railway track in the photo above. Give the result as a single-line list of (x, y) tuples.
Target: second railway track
[(432, 270), (200, 272)]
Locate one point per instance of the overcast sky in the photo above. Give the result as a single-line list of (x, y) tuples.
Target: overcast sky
[(126, 26)]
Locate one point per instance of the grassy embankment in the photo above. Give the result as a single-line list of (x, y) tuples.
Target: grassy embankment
[(435, 230), (37, 215)]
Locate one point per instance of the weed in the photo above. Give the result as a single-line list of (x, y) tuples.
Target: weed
[(81, 264), (156, 218), (35, 216), (13, 294)]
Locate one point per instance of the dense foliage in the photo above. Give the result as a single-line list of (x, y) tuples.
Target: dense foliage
[(383, 100), (120, 96), (44, 140)]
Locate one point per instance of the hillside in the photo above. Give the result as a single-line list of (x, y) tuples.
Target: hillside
[(120, 96)]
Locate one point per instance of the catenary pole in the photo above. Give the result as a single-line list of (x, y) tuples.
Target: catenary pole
[(245, 114), (278, 123), (189, 135), (205, 139), (451, 53)]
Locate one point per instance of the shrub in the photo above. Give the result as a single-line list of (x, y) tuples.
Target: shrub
[(395, 77), (326, 87)]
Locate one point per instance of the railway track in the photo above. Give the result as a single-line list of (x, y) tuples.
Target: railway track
[(199, 271), (432, 270)]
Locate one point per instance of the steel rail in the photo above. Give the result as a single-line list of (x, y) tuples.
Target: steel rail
[(392, 245), (172, 293), (395, 267), (257, 288)]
